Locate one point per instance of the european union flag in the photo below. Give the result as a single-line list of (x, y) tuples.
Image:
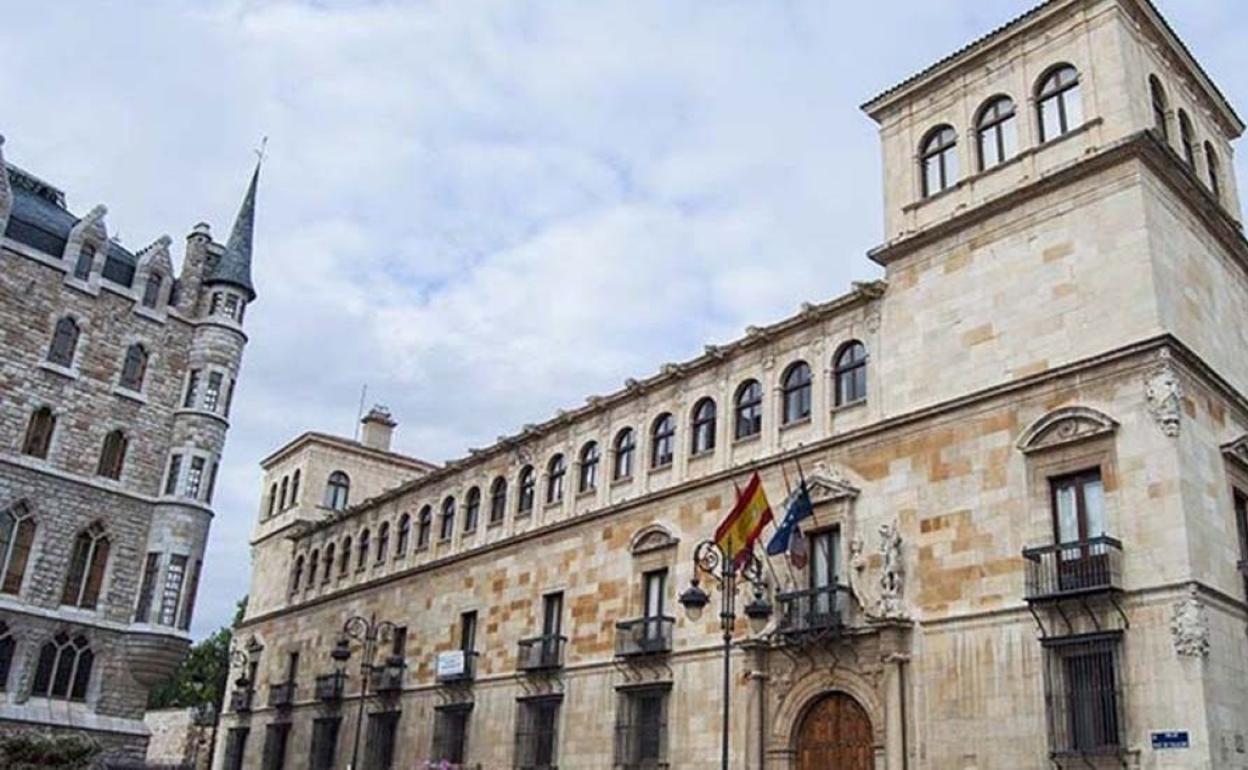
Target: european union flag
[(798, 508)]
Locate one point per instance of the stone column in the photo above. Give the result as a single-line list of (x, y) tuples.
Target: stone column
[(894, 710), (756, 710)]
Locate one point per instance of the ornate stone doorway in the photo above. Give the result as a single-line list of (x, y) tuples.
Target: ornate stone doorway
[(835, 735)]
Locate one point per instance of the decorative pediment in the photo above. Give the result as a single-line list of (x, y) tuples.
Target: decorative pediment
[(1237, 451), (650, 538), (827, 484), (1065, 426)]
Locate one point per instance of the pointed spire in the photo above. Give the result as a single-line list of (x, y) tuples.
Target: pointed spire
[(234, 267)]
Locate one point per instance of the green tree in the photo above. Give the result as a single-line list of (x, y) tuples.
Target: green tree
[(200, 681)]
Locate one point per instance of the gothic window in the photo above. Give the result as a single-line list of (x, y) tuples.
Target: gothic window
[(498, 500), (328, 570), (87, 563), (556, 470), (175, 468), (17, 537), (362, 550), (1187, 138), (472, 509), (749, 415), (171, 592), (113, 455), (703, 427), (528, 489), (625, 449), (134, 368), (192, 385), (39, 433), (344, 558), (383, 541), (64, 342), (314, 561), (1215, 171), (850, 368), (64, 668), (1160, 106), (195, 477), (212, 394), (662, 441), (151, 290), (86, 258), (337, 491), (588, 481), (424, 527), (447, 527), (7, 645), (1059, 103), (998, 136), (938, 160), (795, 387), (405, 535)]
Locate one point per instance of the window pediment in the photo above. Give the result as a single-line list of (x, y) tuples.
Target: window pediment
[(1237, 451), (653, 537), (828, 485), (1065, 426)]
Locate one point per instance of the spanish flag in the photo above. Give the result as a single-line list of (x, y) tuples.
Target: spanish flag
[(736, 534)]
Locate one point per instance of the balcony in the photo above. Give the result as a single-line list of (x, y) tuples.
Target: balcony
[(644, 636), (330, 687), (541, 653), (388, 677), (282, 695), (821, 610), (456, 666), (1074, 569), (240, 700)]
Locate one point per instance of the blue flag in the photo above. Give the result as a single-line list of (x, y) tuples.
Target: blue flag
[(797, 507)]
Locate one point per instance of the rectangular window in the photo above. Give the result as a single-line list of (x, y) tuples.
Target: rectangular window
[(212, 482), (172, 590), (86, 258), (192, 385), (175, 469), (147, 590), (215, 305), (191, 591), (1082, 694), (324, 743), (275, 736), (1079, 522), (468, 631), (450, 733), (398, 642), (231, 306), (824, 573), (379, 741), (235, 746), (552, 614), (212, 394), (292, 667), (641, 728), (655, 586), (195, 477), (1241, 526), (537, 722)]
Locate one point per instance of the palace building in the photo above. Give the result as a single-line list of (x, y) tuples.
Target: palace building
[(116, 380), (1026, 446)]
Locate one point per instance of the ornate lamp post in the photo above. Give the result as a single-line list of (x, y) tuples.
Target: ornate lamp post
[(710, 559), (368, 631)]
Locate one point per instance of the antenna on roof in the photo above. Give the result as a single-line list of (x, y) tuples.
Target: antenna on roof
[(264, 142), (359, 415)]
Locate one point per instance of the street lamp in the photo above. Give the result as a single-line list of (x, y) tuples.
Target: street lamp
[(710, 559), (368, 631)]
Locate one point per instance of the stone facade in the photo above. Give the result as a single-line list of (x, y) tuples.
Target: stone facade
[(101, 549), (1028, 507)]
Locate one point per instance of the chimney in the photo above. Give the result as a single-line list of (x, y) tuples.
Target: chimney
[(378, 428)]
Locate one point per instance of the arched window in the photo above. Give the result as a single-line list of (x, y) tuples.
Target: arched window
[(64, 669), (662, 441), (424, 527), (1160, 107), (850, 367), (64, 342), (361, 549), (87, 563), (405, 535), (749, 412), (329, 563), (472, 509), (1215, 170), (313, 561), (151, 290), (344, 558), (556, 470), (337, 491), (625, 449), (1187, 139), (446, 528), (528, 488), (134, 368), (588, 479), (296, 575), (1059, 103), (272, 498), (795, 392), (39, 433), (498, 500), (383, 541), (17, 537), (285, 489), (85, 261), (938, 160), (703, 427), (997, 132), (294, 488), (113, 455)]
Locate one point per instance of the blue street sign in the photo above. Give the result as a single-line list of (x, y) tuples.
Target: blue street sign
[(1171, 739)]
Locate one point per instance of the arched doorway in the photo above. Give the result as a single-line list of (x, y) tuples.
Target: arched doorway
[(835, 734)]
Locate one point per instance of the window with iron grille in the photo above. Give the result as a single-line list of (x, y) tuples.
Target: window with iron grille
[(379, 740), (324, 743), (641, 729), (235, 745), (275, 735), (1083, 694), (450, 733), (537, 724)]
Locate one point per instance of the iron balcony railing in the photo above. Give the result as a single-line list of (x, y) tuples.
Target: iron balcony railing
[(453, 674), (813, 610), (330, 687), (540, 653), (282, 694), (644, 636), (1073, 569), (388, 677), (240, 699)]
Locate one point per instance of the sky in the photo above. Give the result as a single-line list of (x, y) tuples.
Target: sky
[(485, 211)]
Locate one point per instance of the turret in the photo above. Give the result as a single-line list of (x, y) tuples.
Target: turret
[(227, 277)]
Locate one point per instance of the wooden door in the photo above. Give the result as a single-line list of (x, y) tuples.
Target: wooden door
[(835, 735)]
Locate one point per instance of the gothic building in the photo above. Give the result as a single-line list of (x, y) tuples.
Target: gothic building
[(116, 379), (1027, 448)]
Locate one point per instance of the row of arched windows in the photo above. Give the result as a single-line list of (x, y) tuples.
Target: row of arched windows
[(88, 562), (1059, 110), (850, 381), (1187, 136), (64, 346), (63, 670), (38, 442), (288, 497)]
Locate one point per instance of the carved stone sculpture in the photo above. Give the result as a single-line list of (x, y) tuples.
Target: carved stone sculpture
[(1190, 626), (857, 567), (1165, 396), (891, 572)]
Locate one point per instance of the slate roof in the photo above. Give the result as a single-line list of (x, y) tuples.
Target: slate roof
[(234, 266)]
